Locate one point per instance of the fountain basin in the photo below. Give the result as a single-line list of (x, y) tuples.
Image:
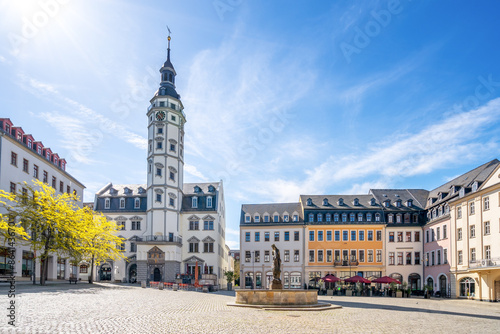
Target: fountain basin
[(276, 297)]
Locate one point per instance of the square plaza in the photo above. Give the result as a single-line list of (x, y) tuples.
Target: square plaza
[(123, 308)]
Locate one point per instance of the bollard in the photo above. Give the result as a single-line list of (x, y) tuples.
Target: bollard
[(160, 286), (143, 284), (175, 287)]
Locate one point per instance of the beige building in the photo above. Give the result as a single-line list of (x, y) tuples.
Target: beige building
[(475, 217)]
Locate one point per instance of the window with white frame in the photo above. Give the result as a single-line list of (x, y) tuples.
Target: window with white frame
[(137, 203), (136, 225), (486, 203), (194, 202), (122, 203), (256, 218), (107, 203), (209, 201), (487, 228)]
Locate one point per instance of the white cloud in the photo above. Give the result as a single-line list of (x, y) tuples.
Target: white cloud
[(78, 139), (237, 96), (190, 169), (233, 232), (440, 144), (92, 119)]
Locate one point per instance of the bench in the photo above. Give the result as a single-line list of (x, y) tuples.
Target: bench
[(73, 279)]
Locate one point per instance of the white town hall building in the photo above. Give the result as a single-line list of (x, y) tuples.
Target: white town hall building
[(169, 226)]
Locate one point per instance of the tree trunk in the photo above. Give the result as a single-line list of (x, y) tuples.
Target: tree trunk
[(91, 277)]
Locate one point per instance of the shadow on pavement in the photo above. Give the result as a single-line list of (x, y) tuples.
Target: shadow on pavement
[(360, 305)]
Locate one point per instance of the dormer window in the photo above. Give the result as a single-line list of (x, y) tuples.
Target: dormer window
[(475, 186), (295, 218), (29, 143), (247, 219), (256, 218), (210, 188), (409, 203), (340, 201), (387, 203), (309, 202), (122, 203), (194, 202), (372, 201), (285, 218), (462, 192), (209, 201), (325, 202), (107, 203), (197, 189), (276, 219), (355, 201), (398, 203), (320, 217), (137, 203), (266, 219)]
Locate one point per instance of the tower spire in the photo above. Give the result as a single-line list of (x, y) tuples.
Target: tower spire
[(168, 47)]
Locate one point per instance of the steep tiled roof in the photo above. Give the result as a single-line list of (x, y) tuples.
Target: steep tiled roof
[(270, 208), (450, 189), (118, 190), (333, 202)]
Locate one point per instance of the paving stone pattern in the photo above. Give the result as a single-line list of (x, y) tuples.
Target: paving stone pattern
[(123, 308)]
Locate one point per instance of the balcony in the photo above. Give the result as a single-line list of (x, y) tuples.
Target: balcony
[(485, 263), (345, 263), (160, 239)]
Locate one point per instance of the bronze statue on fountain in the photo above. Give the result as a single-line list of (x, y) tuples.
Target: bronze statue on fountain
[(276, 284)]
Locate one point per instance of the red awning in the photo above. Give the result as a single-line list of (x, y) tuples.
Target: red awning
[(386, 280), (330, 278), (357, 279)]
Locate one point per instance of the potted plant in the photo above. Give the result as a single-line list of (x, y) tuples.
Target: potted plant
[(229, 278), (393, 288)]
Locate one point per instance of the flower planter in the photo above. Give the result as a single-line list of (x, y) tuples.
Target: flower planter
[(399, 294), (348, 292)]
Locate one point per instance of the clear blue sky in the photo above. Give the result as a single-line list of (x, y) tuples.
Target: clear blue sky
[(282, 97)]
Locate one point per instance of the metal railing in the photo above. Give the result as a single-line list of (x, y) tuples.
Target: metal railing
[(484, 263), (161, 238)]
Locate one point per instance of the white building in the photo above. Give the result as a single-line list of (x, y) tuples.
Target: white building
[(261, 226), (404, 214), (22, 159), (179, 224)]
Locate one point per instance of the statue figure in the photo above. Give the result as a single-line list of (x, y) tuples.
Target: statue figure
[(276, 269)]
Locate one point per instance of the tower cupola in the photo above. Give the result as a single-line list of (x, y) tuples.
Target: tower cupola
[(167, 84)]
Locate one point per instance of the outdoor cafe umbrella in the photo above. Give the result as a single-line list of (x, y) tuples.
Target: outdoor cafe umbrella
[(386, 280), (357, 279), (330, 278)]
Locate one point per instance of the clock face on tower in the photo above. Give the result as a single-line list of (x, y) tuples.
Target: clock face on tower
[(160, 115)]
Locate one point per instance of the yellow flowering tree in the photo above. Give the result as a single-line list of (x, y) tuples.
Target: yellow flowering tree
[(99, 242)]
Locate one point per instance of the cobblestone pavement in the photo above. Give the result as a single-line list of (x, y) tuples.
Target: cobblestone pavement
[(109, 308)]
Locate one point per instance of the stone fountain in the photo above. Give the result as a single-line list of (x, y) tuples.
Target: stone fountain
[(277, 298)]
